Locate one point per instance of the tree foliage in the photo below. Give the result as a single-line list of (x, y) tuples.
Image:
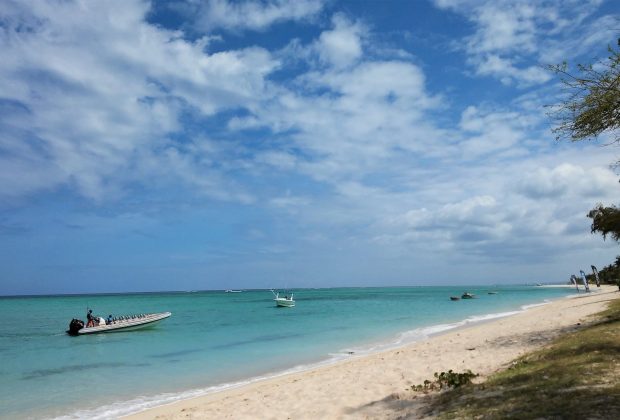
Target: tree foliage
[(592, 107), (593, 103), (606, 221)]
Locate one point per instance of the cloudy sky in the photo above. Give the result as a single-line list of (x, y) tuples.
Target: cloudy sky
[(185, 145)]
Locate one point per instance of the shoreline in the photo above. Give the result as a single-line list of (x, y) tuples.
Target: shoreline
[(215, 400), (398, 340), (140, 405)]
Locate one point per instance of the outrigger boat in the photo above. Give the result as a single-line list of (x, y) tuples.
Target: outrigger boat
[(122, 323), (287, 301)]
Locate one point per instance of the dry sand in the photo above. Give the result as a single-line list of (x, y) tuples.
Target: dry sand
[(375, 386)]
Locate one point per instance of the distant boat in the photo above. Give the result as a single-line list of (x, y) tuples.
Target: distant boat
[(287, 301), (233, 291), (455, 298), (492, 293), (122, 323), (467, 295)]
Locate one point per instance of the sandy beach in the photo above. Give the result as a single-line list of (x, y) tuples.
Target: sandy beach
[(375, 386)]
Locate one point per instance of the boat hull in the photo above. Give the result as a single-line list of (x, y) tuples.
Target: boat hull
[(131, 324), (285, 303)]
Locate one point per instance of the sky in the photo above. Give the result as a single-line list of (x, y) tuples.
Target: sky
[(192, 145)]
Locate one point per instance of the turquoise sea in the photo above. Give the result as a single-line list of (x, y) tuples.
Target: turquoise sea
[(213, 340)]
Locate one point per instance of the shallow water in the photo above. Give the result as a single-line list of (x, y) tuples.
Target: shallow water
[(212, 339)]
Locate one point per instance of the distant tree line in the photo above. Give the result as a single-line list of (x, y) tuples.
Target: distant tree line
[(609, 274)]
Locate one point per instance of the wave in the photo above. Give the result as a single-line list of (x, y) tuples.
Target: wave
[(534, 305), (422, 333)]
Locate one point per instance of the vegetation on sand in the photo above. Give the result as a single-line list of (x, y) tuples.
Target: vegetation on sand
[(574, 377), (444, 380)]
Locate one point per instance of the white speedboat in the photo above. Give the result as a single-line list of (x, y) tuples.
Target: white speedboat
[(122, 323), (287, 301)]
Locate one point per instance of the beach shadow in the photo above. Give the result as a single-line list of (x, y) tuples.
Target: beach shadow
[(405, 405), (535, 338), (517, 399), (595, 302)]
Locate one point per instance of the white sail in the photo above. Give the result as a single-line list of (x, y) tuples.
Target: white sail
[(585, 282), (595, 271)]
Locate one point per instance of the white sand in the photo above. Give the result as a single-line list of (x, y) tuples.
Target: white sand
[(375, 386)]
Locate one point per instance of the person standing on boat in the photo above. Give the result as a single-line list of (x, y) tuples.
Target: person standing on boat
[(90, 318)]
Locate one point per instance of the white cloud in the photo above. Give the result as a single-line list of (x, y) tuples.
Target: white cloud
[(367, 149), (508, 73), (520, 207), (289, 202), (341, 46), (277, 159), (513, 39), (487, 132), (100, 90), (358, 120), (569, 182), (505, 27), (250, 14), (593, 37)]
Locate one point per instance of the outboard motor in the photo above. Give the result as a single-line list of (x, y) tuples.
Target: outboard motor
[(74, 326)]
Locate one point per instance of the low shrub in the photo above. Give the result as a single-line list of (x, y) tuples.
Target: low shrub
[(449, 379)]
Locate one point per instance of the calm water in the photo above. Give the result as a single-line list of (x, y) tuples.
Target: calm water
[(211, 340)]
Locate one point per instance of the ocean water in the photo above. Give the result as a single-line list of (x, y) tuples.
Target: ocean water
[(213, 340)]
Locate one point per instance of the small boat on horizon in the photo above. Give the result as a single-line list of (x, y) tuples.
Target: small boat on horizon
[(468, 295), (286, 302), (115, 324), (233, 291), (455, 298)]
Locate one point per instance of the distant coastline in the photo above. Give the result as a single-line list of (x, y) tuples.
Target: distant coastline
[(158, 292)]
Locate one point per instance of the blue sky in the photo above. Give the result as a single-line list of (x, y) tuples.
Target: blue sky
[(189, 145)]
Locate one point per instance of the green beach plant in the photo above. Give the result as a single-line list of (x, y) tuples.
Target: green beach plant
[(443, 380)]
